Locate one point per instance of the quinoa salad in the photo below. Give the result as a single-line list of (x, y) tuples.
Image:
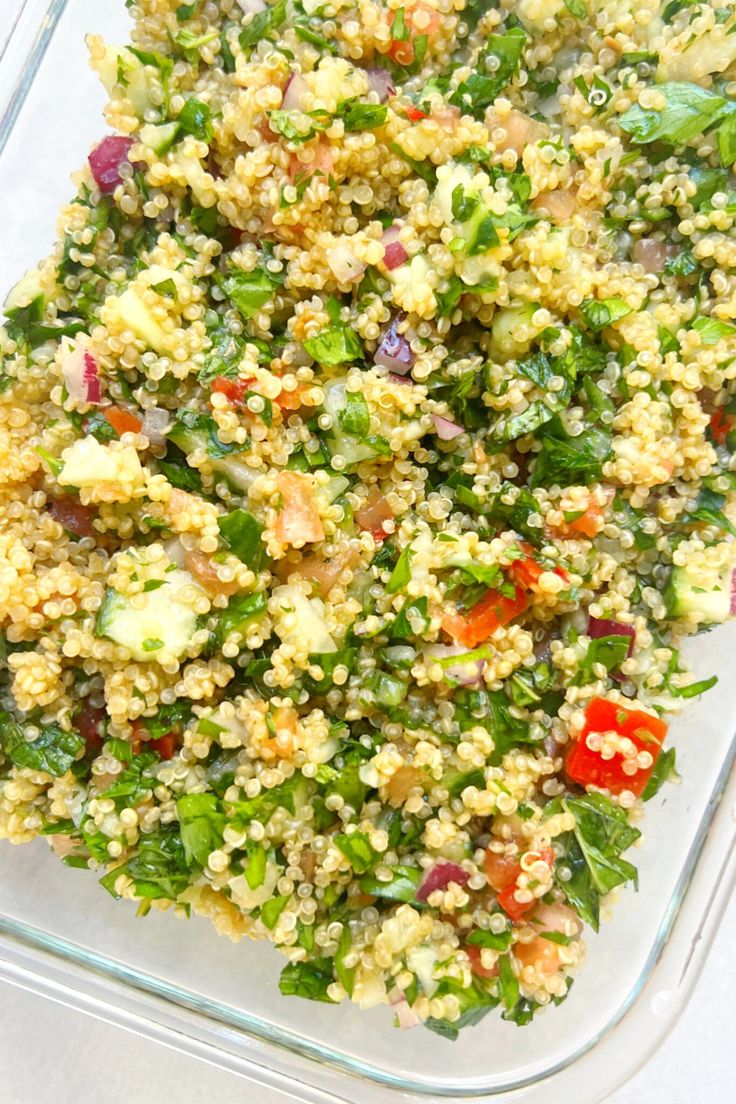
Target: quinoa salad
[(367, 452)]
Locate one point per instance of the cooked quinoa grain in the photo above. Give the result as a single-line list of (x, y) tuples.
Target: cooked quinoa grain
[(367, 450)]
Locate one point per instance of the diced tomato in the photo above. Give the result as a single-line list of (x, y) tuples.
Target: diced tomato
[(543, 954), (165, 745), (526, 572), (540, 953), (75, 517), (121, 420), (202, 568), (298, 519), (233, 389), (492, 612), (325, 573), (501, 870), (588, 524), (589, 768), (292, 400), (136, 739), (321, 163), (89, 723), (283, 743), (721, 424), (420, 20), (476, 965), (372, 515), (513, 908), (414, 114)]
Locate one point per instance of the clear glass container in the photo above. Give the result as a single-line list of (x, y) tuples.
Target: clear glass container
[(177, 981)]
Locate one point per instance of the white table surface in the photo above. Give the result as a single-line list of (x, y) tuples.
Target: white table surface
[(50, 1055)]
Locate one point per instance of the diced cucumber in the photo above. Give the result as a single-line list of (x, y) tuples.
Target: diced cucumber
[(337, 485), (119, 66), (504, 330), (238, 474), (309, 633), (24, 292), (136, 315), (710, 604), (159, 137), (240, 611), (162, 625), (351, 448)]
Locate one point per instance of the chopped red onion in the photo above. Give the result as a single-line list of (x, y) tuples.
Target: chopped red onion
[(598, 627), (381, 82), (105, 161), (394, 352), (81, 373), (155, 423), (344, 265), (467, 673), (405, 1014), (394, 254), (252, 7), (400, 379), (295, 86), (446, 430), (439, 876)]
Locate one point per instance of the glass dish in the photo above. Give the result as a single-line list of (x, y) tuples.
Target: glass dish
[(63, 937)]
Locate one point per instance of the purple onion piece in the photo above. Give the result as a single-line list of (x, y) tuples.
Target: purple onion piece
[(394, 255), (446, 430), (105, 161), (439, 876), (81, 373), (603, 626), (381, 82), (394, 352), (293, 92)]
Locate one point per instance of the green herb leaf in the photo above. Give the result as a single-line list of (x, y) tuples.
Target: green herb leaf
[(480, 89), (727, 141), (363, 116), (338, 344), (713, 330), (307, 979), (497, 941), (689, 111), (599, 313), (592, 852), (664, 771), (241, 532), (53, 750), (202, 823), (709, 508), (402, 887), (262, 25), (249, 291), (401, 573), (196, 118), (272, 909), (567, 460), (508, 981), (158, 868), (356, 847), (355, 417)]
